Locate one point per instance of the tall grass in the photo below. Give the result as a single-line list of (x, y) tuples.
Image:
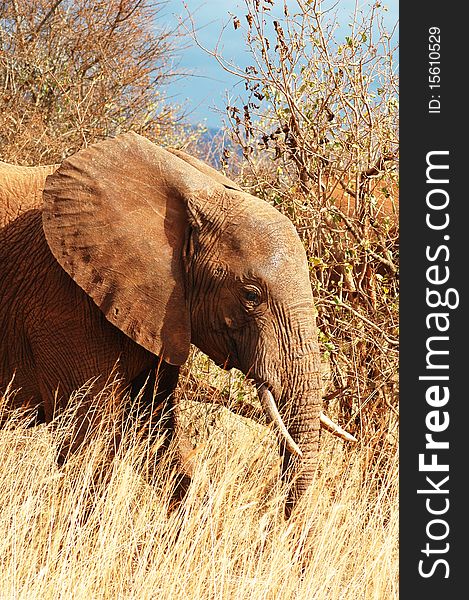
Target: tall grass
[(63, 534)]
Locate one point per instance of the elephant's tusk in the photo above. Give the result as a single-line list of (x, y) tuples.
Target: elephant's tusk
[(268, 403), (336, 429)]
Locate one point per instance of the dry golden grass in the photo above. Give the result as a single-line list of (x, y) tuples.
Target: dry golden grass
[(227, 540)]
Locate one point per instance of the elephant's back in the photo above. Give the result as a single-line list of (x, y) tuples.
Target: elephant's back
[(21, 189)]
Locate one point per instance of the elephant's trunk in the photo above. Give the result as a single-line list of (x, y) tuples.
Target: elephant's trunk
[(301, 471), (304, 426), (297, 421)]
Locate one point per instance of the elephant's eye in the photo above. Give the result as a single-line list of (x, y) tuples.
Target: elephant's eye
[(252, 296)]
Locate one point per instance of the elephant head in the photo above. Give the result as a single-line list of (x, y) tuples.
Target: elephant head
[(174, 253)]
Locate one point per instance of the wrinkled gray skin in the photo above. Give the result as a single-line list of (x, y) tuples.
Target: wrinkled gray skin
[(138, 252)]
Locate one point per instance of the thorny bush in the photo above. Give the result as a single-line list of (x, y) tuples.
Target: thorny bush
[(75, 72)]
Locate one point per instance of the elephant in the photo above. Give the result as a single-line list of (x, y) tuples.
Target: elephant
[(133, 253)]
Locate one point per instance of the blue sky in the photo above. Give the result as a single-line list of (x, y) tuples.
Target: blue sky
[(203, 89)]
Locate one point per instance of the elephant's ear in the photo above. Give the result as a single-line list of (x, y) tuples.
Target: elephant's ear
[(206, 169), (116, 217)]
